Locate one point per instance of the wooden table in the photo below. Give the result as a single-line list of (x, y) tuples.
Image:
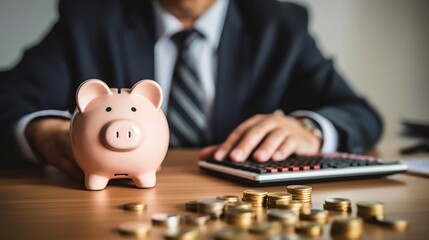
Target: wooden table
[(45, 204)]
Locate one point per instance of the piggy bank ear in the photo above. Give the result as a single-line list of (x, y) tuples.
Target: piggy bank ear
[(89, 90), (150, 90)]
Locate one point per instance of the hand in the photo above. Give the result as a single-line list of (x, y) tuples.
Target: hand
[(271, 136), (50, 140)]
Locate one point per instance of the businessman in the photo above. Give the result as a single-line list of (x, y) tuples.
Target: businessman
[(240, 78)]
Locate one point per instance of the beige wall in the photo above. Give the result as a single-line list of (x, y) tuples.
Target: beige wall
[(380, 46)]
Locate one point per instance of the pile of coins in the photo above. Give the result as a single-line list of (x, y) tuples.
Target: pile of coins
[(286, 210), (272, 198), (255, 197), (300, 192), (338, 204)]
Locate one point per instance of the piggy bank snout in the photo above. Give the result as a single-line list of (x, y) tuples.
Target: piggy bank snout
[(122, 135)]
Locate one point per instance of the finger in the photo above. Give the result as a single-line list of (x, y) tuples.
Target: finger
[(235, 136), (207, 152), (308, 147), (271, 143), (288, 147), (251, 139)]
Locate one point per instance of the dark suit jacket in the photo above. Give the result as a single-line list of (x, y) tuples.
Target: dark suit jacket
[(267, 61)]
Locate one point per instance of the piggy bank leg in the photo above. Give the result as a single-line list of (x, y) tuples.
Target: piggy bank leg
[(146, 180), (95, 182)]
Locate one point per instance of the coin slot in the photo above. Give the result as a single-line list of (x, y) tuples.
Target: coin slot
[(121, 174)]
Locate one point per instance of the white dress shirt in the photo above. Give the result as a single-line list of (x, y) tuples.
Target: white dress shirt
[(203, 51)]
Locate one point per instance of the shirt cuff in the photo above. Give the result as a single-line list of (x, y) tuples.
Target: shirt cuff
[(20, 127), (330, 134)]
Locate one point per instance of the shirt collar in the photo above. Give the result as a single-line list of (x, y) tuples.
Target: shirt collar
[(210, 24)]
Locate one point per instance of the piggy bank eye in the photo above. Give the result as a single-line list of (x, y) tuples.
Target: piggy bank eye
[(108, 109), (133, 109)]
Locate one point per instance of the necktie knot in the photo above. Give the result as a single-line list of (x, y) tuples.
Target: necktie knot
[(183, 39)]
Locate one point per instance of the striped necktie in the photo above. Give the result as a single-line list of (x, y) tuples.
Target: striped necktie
[(185, 113)]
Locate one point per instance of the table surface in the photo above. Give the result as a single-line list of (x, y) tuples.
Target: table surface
[(42, 203)]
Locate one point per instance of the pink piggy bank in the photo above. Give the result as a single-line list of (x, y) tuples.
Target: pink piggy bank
[(119, 133)]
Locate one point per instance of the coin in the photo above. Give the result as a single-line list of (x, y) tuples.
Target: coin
[(370, 209), (183, 233), (228, 198), (136, 229), (266, 228), (315, 215), (294, 205), (395, 222), (272, 197), (285, 217), (309, 228), (338, 204), (135, 206), (300, 192), (230, 233), (347, 227), (196, 219), (166, 219), (240, 217), (237, 205), (256, 197), (211, 206)]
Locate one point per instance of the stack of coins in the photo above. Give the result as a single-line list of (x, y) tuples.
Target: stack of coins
[(370, 209), (395, 222), (166, 219), (285, 217), (240, 217), (135, 206), (228, 198), (301, 193), (182, 234), (266, 228), (347, 227), (256, 197), (237, 205), (338, 204), (192, 206), (135, 229), (309, 228), (294, 205), (274, 196), (315, 215), (211, 206)]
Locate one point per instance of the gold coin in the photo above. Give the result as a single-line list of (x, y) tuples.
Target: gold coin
[(135, 206), (136, 229), (299, 188), (317, 215), (396, 222), (182, 234), (266, 228), (197, 219), (347, 227), (230, 233), (309, 229), (228, 198), (237, 205)]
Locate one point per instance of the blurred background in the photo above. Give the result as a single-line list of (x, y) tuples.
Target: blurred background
[(380, 46)]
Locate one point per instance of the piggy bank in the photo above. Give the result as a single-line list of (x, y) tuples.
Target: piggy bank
[(119, 133)]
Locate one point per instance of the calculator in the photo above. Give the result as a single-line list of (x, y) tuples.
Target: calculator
[(302, 169)]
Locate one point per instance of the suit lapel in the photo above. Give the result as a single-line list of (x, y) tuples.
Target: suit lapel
[(233, 69), (138, 41)]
